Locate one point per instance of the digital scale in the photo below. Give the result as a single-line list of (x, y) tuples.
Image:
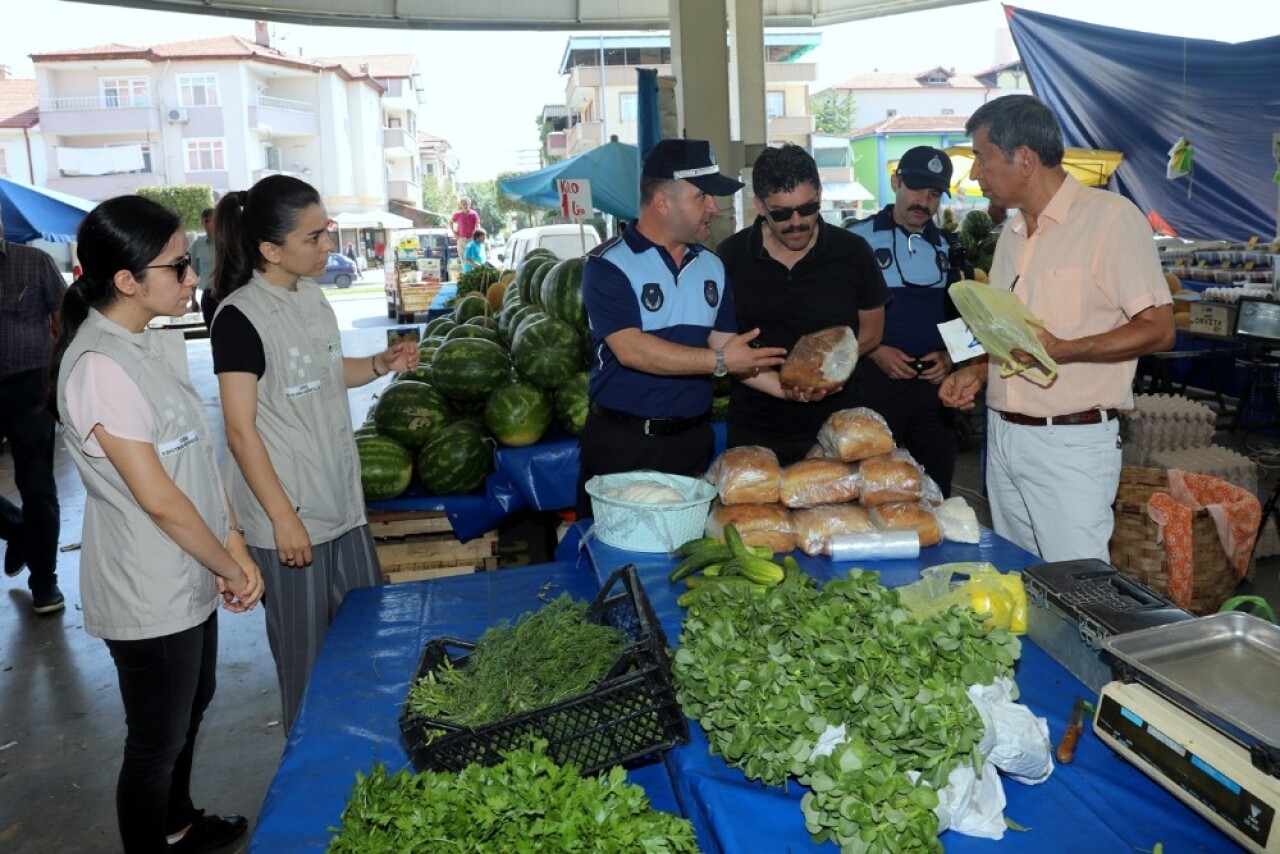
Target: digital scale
[(1197, 708)]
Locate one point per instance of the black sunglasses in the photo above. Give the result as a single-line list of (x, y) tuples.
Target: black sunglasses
[(178, 267), (784, 214)]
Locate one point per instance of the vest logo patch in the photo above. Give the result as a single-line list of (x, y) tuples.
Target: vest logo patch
[(297, 391), (173, 446), (651, 296), (711, 292), (884, 257), (335, 351)]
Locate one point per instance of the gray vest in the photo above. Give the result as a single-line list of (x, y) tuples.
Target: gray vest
[(304, 417), (135, 582)]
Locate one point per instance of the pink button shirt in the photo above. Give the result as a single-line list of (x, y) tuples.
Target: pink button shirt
[(99, 391), (1088, 269)]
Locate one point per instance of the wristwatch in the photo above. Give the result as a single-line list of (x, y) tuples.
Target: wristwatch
[(722, 367)]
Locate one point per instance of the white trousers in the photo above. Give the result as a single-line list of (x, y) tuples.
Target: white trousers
[(1051, 488)]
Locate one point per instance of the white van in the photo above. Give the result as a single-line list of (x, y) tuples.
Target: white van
[(566, 241)]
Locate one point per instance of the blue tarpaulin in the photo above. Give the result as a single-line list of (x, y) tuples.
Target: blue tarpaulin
[(1137, 93), (613, 170), (35, 213)]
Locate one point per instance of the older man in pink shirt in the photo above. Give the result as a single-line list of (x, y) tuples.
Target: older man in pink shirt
[(1083, 260)]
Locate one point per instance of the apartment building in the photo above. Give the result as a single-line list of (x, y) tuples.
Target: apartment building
[(226, 111), (18, 120), (601, 92)]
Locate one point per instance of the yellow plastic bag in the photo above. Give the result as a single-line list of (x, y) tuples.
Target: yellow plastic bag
[(985, 589), (1002, 323)]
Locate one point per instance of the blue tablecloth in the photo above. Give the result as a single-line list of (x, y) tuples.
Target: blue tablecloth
[(1098, 803)]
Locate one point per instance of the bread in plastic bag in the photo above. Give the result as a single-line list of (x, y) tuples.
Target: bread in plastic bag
[(855, 434), (749, 474), (959, 522), (908, 515), (1002, 323), (768, 525), (821, 360), (815, 526), (890, 478), (810, 482)]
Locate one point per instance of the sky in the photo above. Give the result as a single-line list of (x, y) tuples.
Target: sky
[(509, 76)]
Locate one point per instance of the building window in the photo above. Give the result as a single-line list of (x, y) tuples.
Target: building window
[(273, 158), (126, 92), (198, 90), (947, 112), (888, 114), (204, 155), (627, 106), (775, 104), (937, 78)]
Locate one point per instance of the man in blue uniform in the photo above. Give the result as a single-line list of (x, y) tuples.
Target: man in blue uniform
[(899, 378), (662, 324)]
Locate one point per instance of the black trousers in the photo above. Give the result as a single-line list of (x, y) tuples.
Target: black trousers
[(788, 449), (609, 447), (30, 432), (166, 684), (920, 423)]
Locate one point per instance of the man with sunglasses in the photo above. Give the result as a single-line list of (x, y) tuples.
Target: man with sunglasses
[(919, 260), (794, 273), (31, 290)]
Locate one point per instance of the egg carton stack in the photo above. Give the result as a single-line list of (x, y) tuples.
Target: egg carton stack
[(1163, 423)]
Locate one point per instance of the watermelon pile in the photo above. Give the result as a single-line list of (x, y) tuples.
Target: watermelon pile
[(506, 364)]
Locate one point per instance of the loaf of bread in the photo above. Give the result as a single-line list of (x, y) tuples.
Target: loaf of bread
[(808, 483), (821, 360), (749, 474), (768, 525), (815, 526), (911, 515), (855, 434), (885, 480)]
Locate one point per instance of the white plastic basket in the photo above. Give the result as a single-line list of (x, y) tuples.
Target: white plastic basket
[(649, 527)]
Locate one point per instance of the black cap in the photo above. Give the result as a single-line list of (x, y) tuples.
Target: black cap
[(924, 167), (691, 160)]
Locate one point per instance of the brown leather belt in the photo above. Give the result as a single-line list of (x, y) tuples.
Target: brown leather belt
[(1089, 416)]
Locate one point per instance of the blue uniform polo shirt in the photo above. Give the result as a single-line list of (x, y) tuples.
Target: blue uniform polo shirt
[(632, 283), (917, 269)]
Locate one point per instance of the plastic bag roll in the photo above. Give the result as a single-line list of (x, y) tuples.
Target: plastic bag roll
[(876, 545)]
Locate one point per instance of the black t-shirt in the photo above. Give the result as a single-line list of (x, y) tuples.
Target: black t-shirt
[(828, 287), (237, 346)]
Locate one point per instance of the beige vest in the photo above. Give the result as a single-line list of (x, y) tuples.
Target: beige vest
[(304, 418), (135, 582)]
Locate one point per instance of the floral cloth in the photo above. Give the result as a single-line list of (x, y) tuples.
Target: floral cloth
[(1235, 513)]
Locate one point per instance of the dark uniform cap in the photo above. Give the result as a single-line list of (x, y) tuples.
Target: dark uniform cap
[(691, 160)]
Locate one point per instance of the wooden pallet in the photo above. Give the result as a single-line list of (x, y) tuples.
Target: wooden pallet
[(416, 545)]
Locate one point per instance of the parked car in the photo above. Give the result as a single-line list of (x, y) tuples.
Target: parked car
[(340, 271), (566, 241)]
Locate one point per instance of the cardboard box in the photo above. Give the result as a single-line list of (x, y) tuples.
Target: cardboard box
[(1215, 319)]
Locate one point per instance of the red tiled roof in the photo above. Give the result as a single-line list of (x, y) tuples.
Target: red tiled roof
[(879, 80), (913, 124), (381, 65), (18, 105)]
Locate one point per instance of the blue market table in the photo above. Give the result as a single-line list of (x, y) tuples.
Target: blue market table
[(1098, 804)]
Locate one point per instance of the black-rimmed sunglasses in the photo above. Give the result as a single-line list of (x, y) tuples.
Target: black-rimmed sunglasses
[(784, 214), (178, 267)]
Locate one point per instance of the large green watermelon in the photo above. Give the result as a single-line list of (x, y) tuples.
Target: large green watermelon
[(546, 352), (470, 368), (473, 330), (535, 282), (421, 374), (562, 293), (518, 414), (438, 326), (511, 294), (409, 411), (456, 459), (525, 321), (385, 467), (470, 306), (514, 318), (528, 265), (572, 403)]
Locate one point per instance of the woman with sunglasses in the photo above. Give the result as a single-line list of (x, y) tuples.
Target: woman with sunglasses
[(283, 380), (160, 548)]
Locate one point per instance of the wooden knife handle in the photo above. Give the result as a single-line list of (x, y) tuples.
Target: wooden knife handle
[(1067, 747)]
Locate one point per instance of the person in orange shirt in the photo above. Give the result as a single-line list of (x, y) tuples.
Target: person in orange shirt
[(1084, 262)]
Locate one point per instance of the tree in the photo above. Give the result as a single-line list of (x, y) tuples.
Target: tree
[(439, 199), (186, 200), (484, 201), (833, 113)]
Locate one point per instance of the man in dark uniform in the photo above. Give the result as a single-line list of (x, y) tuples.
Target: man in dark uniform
[(662, 324), (793, 273), (899, 379)]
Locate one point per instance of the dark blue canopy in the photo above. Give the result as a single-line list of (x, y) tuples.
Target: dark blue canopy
[(34, 213), (1137, 93)]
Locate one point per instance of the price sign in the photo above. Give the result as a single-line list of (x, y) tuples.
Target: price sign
[(575, 197)]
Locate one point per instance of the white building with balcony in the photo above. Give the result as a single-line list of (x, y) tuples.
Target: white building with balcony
[(224, 111), (601, 91), (18, 120)]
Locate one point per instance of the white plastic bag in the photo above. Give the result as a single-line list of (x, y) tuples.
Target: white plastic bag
[(959, 522), (972, 805), (1016, 741)]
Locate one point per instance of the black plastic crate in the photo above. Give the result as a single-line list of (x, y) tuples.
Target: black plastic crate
[(628, 719)]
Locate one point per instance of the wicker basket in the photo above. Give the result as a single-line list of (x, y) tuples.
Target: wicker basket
[(1135, 552)]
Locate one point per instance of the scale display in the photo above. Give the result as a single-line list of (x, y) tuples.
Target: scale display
[(1258, 320), (1198, 764)]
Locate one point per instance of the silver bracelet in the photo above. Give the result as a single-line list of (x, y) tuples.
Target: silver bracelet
[(373, 363)]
